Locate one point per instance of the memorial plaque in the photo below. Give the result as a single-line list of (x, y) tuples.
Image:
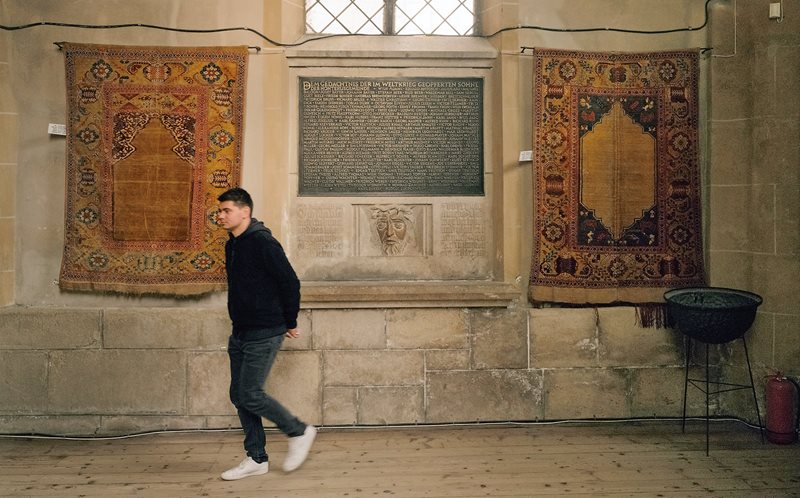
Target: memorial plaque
[(320, 231), (390, 136), (463, 230)]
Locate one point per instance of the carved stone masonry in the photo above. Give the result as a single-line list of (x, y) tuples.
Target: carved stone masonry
[(393, 230)]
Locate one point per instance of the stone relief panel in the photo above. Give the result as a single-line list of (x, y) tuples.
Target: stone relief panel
[(398, 239), (393, 230)]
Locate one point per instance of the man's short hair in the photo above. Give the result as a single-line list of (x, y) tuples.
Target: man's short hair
[(239, 196)]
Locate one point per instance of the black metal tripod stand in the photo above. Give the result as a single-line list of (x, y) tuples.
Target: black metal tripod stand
[(704, 385)]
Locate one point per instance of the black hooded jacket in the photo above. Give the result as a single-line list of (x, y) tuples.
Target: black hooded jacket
[(263, 289)]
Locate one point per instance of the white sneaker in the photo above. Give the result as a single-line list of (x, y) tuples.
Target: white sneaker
[(247, 468), (298, 449)]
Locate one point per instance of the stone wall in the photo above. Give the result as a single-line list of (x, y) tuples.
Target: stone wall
[(113, 370), (754, 185), (8, 174), (77, 363)]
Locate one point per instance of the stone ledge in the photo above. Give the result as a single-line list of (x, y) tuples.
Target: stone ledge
[(454, 294), (452, 51)]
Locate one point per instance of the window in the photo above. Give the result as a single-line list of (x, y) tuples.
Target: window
[(392, 17)]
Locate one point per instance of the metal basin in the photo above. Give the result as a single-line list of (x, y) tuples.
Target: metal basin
[(713, 315)]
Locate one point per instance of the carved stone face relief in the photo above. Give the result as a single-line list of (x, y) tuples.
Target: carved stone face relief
[(393, 225)]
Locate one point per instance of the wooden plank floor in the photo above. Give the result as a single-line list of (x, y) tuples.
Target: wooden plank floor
[(598, 460)]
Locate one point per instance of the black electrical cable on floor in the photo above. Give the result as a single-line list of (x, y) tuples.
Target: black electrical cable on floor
[(388, 426), (280, 44)]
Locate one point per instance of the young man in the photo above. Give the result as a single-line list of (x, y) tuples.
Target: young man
[(263, 302)]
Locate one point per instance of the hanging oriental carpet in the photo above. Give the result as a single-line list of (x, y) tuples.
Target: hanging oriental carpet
[(154, 135), (616, 181)]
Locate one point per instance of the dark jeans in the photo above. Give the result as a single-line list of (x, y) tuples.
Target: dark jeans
[(251, 360)]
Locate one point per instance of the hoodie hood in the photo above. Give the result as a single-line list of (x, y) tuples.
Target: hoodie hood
[(255, 226)]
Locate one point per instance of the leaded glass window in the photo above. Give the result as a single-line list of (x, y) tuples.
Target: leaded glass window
[(394, 17)]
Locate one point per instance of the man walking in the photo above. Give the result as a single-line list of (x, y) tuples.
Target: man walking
[(263, 302)]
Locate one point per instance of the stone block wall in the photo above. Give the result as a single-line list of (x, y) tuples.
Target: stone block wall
[(116, 370), (8, 173), (754, 183), (84, 364)]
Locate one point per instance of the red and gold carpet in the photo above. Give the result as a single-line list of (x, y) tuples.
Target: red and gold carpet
[(616, 176), (154, 135)]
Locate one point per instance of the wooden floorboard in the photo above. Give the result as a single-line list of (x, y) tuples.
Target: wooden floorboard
[(598, 460)]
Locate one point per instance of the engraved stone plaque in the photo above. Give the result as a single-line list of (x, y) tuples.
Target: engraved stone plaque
[(320, 231), (391, 136), (463, 230)]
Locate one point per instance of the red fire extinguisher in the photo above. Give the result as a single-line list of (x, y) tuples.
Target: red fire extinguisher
[(782, 410)]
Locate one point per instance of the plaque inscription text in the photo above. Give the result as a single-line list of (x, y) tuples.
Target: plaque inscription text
[(410, 136), (463, 230), (320, 231)]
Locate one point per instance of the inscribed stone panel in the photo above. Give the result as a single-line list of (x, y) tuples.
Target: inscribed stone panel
[(391, 136), (462, 230), (320, 231)]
